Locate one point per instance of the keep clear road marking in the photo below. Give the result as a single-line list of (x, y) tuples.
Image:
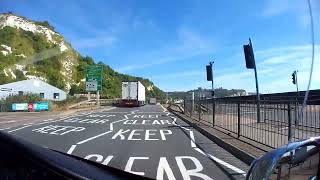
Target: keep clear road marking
[(31, 124), (194, 146), (102, 134)]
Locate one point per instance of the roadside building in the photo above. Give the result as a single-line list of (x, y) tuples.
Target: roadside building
[(45, 90)]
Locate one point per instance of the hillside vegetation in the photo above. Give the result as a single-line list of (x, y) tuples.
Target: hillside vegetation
[(30, 49)]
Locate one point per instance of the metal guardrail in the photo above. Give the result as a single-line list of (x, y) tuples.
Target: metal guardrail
[(5, 107), (281, 120), (93, 102)]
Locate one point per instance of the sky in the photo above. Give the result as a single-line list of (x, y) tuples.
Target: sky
[(171, 42)]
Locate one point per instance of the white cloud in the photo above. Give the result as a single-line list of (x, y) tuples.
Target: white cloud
[(100, 41), (184, 74), (276, 7), (187, 45), (274, 71), (297, 8)]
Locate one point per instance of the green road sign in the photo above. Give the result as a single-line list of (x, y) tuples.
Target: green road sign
[(94, 74)]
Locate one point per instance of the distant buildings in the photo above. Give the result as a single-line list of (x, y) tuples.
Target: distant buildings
[(45, 90)]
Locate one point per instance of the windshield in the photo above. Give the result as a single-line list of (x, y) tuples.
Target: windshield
[(162, 89)]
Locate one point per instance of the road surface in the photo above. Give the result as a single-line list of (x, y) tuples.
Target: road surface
[(148, 140)]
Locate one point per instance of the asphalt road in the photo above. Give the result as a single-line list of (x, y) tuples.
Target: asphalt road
[(148, 140)]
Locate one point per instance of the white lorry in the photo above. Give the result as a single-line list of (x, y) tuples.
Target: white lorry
[(153, 101), (133, 94)]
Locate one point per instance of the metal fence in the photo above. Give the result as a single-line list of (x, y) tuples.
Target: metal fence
[(280, 120), (5, 107)]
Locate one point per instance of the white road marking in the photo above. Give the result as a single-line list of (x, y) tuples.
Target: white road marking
[(94, 137), (71, 149), (5, 128), (144, 112), (102, 134), (164, 109), (103, 110), (194, 146), (227, 165), (107, 132), (114, 112), (6, 122), (32, 124), (8, 117), (128, 167), (19, 128)]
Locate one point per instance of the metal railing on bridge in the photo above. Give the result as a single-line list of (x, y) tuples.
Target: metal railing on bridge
[(281, 120)]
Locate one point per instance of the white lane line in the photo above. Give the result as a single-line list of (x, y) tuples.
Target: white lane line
[(103, 110), (6, 122), (5, 128), (227, 165), (19, 128), (164, 109), (145, 112), (194, 146), (94, 137), (115, 112), (71, 149), (8, 117), (32, 124), (235, 169)]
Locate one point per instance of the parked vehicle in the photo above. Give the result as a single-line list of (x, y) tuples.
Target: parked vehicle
[(133, 94), (153, 101)]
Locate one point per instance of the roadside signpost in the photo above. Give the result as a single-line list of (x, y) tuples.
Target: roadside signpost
[(94, 80), (94, 76)]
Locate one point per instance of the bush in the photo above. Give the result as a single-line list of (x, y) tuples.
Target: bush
[(63, 105), (26, 98)]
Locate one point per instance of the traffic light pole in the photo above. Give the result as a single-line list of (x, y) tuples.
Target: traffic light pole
[(258, 95), (297, 97), (213, 99), (257, 89)]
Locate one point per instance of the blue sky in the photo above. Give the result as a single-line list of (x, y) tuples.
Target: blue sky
[(170, 42)]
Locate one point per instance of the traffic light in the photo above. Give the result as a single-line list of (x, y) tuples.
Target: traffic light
[(209, 72), (249, 56), (294, 78)]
